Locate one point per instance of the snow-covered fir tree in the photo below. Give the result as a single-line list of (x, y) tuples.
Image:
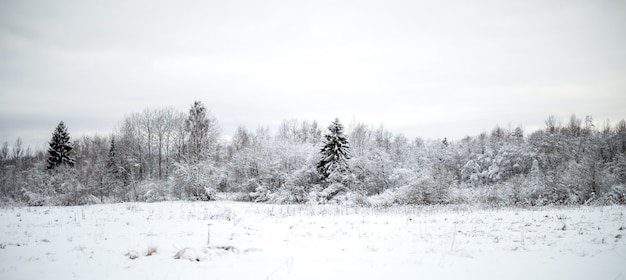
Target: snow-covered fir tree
[(60, 149), (113, 170), (111, 164), (335, 152)]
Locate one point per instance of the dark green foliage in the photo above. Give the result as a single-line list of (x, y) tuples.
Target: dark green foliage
[(335, 153), (60, 149), (111, 164), (577, 164)]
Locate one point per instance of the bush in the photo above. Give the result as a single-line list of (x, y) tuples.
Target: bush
[(35, 199), (420, 191), (153, 191), (616, 195), (260, 194), (197, 181), (289, 194), (496, 195), (332, 191)]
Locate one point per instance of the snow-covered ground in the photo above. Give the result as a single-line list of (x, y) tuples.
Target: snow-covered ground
[(168, 240)]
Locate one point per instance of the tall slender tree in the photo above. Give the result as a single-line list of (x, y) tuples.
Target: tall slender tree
[(335, 152), (60, 149), (112, 166), (202, 131), (114, 175), (4, 151)]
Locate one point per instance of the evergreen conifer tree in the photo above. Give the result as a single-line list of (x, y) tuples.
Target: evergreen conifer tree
[(335, 153), (111, 163), (114, 177), (60, 149)]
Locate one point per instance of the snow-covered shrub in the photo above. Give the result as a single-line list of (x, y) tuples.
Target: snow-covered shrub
[(371, 171), (333, 193), (385, 199), (616, 195), (153, 191), (471, 173), (229, 196), (332, 190), (576, 181), (461, 195), (35, 199), (421, 191), (260, 194), (496, 195), (411, 194), (402, 177), (295, 186), (74, 193), (357, 199), (197, 181), (289, 193), (533, 189)]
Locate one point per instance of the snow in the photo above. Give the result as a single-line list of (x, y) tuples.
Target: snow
[(168, 240)]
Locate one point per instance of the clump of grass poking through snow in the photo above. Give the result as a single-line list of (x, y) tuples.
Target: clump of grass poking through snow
[(189, 254), (180, 253), (151, 251), (132, 254)]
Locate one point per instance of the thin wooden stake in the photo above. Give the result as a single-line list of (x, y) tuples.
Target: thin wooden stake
[(208, 240)]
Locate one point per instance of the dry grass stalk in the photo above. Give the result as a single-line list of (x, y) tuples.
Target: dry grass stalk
[(151, 251)]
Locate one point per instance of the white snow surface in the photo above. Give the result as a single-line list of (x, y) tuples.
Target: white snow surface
[(168, 240)]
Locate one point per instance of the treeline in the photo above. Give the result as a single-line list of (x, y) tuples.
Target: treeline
[(164, 154)]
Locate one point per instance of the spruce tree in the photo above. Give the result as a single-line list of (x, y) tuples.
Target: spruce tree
[(335, 153), (60, 149), (111, 163), (114, 177)]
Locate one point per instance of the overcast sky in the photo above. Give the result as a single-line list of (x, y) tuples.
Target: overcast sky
[(431, 69)]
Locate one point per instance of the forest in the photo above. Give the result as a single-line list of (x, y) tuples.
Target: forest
[(162, 154)]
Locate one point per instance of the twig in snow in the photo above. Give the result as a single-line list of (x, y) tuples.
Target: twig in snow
[(288, 263)]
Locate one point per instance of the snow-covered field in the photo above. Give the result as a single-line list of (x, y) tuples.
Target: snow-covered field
[(168, 240)]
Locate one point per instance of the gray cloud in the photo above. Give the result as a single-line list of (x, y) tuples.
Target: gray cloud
[(423, 68)]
